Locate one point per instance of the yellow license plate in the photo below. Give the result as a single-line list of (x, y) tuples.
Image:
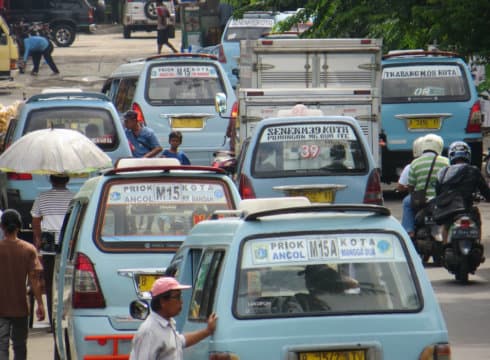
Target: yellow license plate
[(145, 282), (187, 123), (333, 355), (316, 196), (428, 123)]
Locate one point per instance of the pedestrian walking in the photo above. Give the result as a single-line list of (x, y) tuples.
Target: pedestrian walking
[(157, 337), (163, 22), (37, 47), (19, 264), (48, 213), (142, 139)]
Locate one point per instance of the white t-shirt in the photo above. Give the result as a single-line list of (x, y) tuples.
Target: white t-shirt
[(403, 179)]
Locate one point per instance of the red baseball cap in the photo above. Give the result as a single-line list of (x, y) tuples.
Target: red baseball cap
[(166, 283)]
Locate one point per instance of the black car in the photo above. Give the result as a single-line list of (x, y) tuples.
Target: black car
[(65, 17)]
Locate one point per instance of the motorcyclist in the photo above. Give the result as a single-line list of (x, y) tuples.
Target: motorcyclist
[(463, 178), (418, 173)]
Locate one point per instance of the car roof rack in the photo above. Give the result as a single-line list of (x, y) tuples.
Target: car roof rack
[(70, 95), (135, 167), (376, 209), (183, 55), (419, 53)]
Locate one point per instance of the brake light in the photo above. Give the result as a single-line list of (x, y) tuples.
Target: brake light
[(465, 223), (232, 126), (19, 176), (87, 293), (436, 352), (221, 55), (91, 15), (475, 119), (138, 110), (373, 194), (223, 356), (13, 64), (245, 188)]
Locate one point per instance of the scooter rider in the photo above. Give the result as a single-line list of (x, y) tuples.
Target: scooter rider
[(462, 178)]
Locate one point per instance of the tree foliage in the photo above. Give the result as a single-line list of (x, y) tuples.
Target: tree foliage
[(455, 25)]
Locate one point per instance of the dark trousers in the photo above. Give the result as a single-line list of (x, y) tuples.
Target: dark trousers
[(48, 264), (15, 329), (36, 59)]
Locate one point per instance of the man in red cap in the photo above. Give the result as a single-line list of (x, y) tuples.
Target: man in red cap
[(157, 338)]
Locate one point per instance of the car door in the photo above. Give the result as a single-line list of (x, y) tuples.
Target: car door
[(63, 275)]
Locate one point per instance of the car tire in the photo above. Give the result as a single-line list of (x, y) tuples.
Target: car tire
[(151, 10), (126, 32), (63, 35)]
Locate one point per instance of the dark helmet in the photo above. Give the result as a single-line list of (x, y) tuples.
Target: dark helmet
[(322, 278), (459, 150)]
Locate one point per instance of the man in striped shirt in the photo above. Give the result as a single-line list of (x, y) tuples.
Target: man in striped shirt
[(431, 146), (48, 213)]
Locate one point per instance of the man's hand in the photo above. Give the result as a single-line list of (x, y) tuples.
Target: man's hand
[(212, 323)]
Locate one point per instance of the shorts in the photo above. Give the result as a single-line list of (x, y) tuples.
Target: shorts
[(162, 36)]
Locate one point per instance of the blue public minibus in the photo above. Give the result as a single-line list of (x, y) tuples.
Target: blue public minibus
[(426, 92)]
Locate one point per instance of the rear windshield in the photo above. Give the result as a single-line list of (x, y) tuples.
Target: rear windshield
[(155, 214), (308, 149), (97, 124), (325, 274), (248, 29), (424, 83), (183, 84)]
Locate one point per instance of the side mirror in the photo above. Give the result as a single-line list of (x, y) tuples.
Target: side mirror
[(220, 103), (139, 309)]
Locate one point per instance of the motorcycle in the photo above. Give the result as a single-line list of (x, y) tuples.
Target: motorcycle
[(463, 252), (226, 160), (428, 235)]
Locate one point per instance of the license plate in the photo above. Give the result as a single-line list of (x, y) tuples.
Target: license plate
[(82, 175), (145, 282), (465, 233), (333, 355), (187, 123), (315, 196), (422, 124)]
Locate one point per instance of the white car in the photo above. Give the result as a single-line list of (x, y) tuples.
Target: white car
[(141, 15)]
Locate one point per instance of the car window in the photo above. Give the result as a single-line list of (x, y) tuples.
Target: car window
[(135, 213), (183, 84), (125, 94), (285, 150), (96, 123), (251, 29), (204, 289), (422, 82), (325, 273)]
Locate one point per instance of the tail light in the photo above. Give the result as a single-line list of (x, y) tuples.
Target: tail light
[(223, 356), (475, 119), (373, 194), (13, 64), (245, 188), (221, 54), (436, 352), (91, 14), (138, 110), (87, 293), (19, 176)]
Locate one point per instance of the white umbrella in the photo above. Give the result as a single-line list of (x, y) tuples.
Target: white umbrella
[(54, 151)]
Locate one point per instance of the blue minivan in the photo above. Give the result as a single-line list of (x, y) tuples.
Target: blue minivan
[(426, 92)]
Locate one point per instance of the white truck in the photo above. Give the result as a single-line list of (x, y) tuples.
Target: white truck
[(327, 76)]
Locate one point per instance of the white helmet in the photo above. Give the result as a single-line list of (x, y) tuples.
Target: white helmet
[(432, 142), (417, 146)]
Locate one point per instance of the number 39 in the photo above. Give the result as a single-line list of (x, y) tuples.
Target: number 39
[(309, 151)]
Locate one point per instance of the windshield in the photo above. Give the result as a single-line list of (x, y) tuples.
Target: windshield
[(424, 82), (296, 149), (97, 124), (136, 213), (183, 84), (325, 274)]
